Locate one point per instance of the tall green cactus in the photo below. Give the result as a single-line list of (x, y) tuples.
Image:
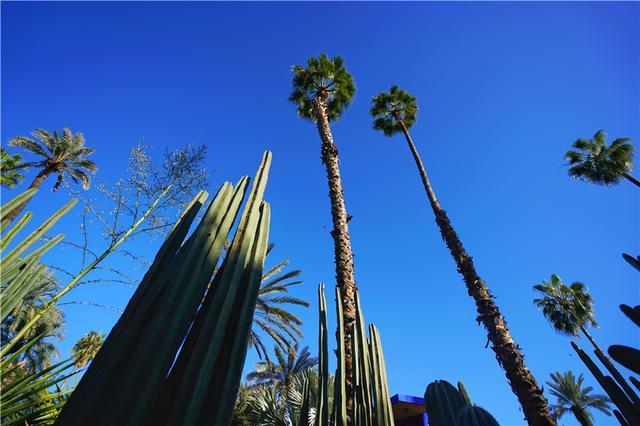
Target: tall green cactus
[(176, 354), (448, 406), (371, 398)]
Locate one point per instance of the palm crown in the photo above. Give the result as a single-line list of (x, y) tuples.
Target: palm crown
[(575, 398), (596, 162), (566, 307), (391, 110), (86, 348), (64, 153), (288, 365), (325, 79)]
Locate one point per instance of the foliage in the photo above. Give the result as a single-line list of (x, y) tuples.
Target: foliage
[(391, 111), (595, 162), (568, 308), (64, 154), (273, 316), (189, 338), (86, 348), (572, 396), (326, 79), (27, 378), (10, 176)]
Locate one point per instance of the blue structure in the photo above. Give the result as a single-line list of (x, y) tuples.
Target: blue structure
[(409, 410)]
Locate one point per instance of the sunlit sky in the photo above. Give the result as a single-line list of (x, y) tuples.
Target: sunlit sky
[(503, 89)]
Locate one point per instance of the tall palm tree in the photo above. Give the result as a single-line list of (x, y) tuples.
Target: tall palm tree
[(86, 348), (322, 91), (596, 162), (273, 315), (63, 154), (395, 112), (281, 375), (10, 176), (571, 396)]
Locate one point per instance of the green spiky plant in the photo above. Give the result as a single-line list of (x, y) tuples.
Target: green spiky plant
[(573, 397), (445, 405), (25, 394), (595, 162), (11, 170), (322, 91), (180, 344), (64, 154), (370, 391), (396, 112)]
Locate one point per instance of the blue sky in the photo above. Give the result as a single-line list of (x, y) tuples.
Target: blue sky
[(503, 89)]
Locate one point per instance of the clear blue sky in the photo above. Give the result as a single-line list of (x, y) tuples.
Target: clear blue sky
[(503, 89)]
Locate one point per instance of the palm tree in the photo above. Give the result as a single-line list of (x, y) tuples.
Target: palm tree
[(573, 397), (86, 348), (9, 165), (64, 154), (396, 112), (322, 91), (596, 162), (281, 376), (570, 311), (272, 315)]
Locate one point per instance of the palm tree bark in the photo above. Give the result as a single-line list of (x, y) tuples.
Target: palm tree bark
[(631, 179), (523, 384), (37, 181), (345, 278), (606, 361)]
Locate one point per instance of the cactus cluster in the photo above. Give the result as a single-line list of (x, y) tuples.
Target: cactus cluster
[(176, 354), (371, 398), (448, 406)]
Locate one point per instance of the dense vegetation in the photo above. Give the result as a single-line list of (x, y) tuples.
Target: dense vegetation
[(177, 352)]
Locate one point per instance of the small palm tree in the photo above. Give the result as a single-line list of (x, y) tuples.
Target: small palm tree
[(9, 166), (322, 91), (395, 112), (281, 375), (272, 314), (595, 162), (569, 308), (63, 154), (86, 348), (575, 398)]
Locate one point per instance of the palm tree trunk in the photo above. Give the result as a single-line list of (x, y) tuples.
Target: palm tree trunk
[(606, 361), (523, 384), (581, 416), (37, 181), (631, 179), (345, 278)]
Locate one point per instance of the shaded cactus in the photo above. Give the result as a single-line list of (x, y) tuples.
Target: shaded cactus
[(443, 402), (475, 416)]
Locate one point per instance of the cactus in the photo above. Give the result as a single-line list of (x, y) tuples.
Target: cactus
[(475, 416), (627, 356), (175, 355), (448, 406), (443, 403), (371, 398)]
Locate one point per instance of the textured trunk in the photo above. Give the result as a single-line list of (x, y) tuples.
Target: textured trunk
[(606, 361), (37, 181), (523, 384), (581, 416), (345, 279), (632, 179)]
